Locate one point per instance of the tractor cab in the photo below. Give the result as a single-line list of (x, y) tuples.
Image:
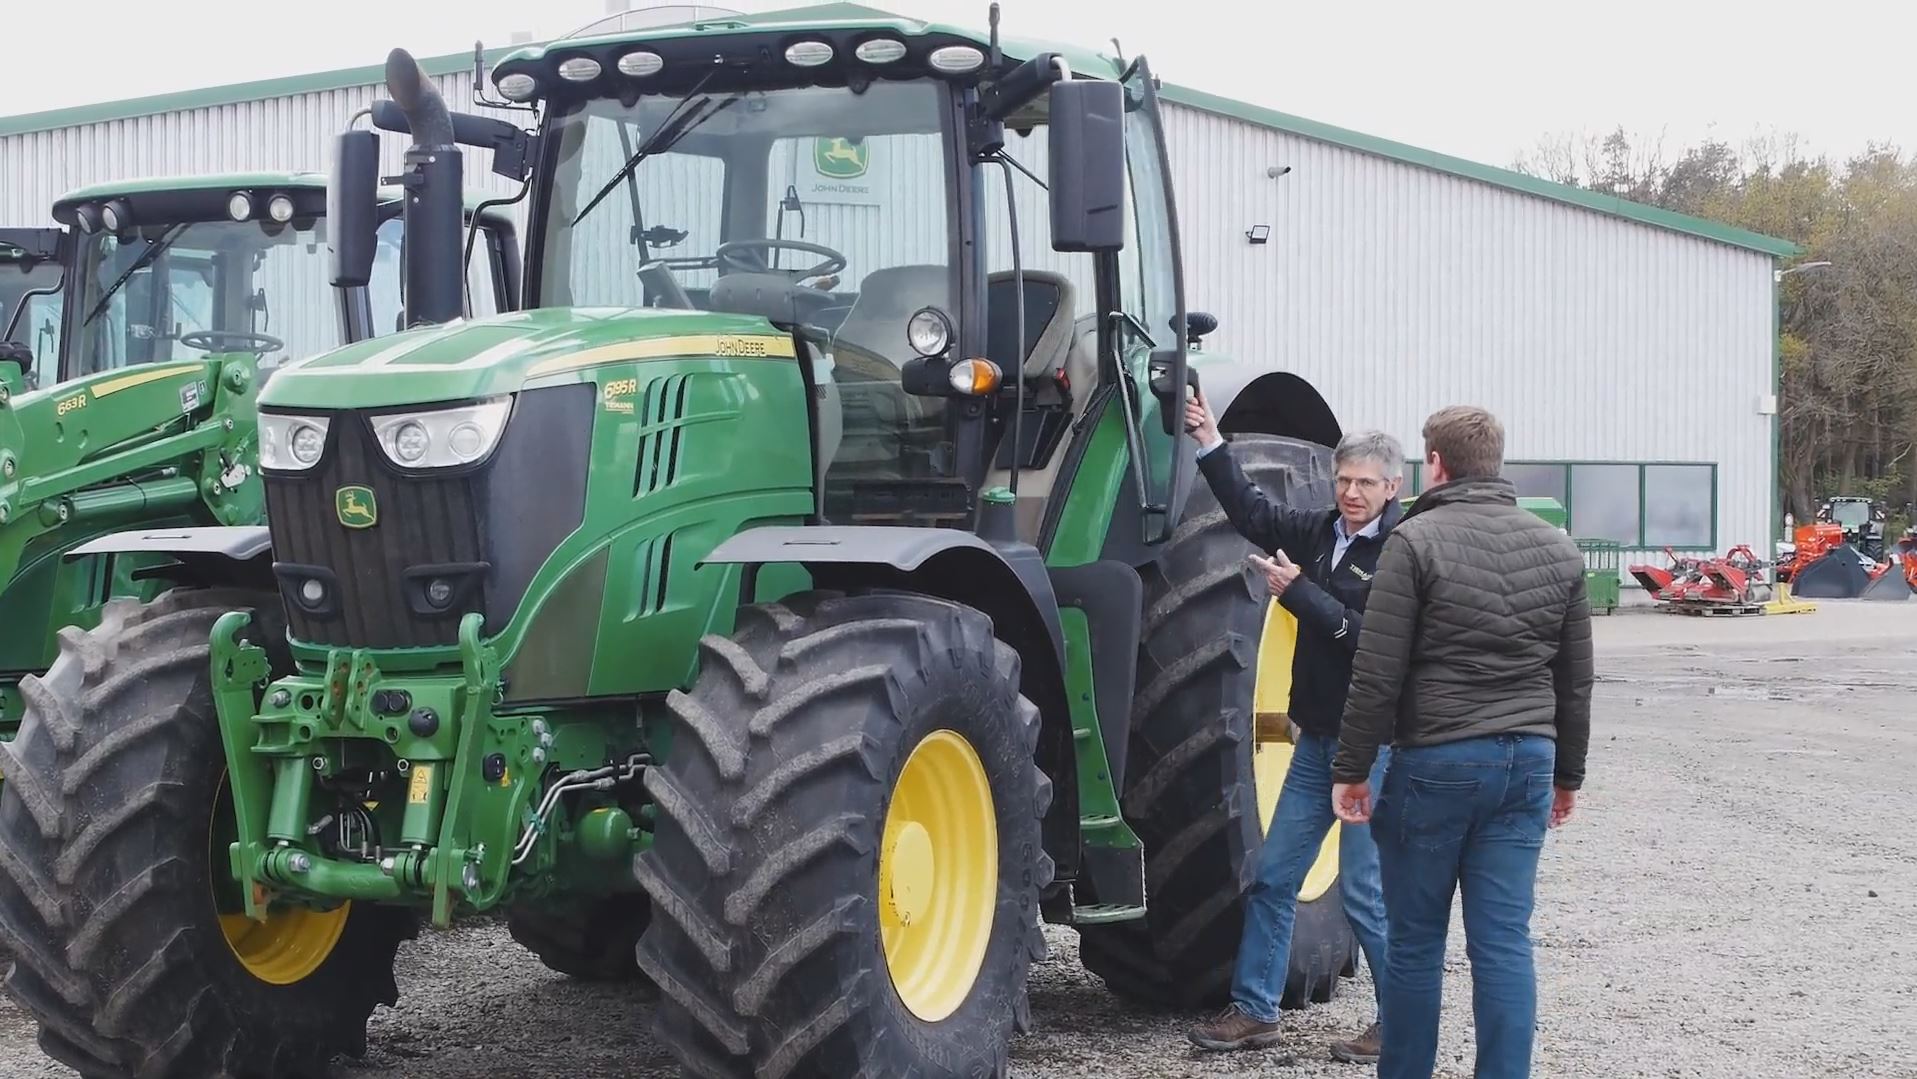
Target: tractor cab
[(176, 269), (891, 196), (31, 263)]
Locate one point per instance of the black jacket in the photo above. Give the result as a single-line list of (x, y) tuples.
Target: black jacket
[(1328, 601), (1479, 626)]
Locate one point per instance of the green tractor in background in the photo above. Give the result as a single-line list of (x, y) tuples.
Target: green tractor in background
[(145, 326), (809, 585)]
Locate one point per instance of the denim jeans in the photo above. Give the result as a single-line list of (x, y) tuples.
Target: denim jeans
[(1298, 829), (1465, 817)]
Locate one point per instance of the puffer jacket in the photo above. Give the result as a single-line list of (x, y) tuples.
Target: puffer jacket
[(1477, 625)]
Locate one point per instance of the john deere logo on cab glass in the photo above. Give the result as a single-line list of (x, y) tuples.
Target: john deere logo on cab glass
[(356, 507), (840, 159)]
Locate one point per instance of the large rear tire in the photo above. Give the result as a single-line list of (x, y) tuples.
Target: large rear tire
[(114, 896), (1203, 772), (847, 863)]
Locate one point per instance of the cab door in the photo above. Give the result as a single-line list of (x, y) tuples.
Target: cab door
[(1151, 317)]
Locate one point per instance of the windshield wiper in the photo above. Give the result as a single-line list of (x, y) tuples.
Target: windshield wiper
[(678, 124), (153, 250)]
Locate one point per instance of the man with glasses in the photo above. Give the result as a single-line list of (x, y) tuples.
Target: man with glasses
[(1320, 570)]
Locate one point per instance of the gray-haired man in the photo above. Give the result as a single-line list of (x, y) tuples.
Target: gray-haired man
[(1320, 570)]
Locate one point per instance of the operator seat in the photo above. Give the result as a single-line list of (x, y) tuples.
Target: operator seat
[(1062, 342), (869, 350)]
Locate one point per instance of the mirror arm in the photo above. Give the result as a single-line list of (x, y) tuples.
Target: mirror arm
[(1124, 385)]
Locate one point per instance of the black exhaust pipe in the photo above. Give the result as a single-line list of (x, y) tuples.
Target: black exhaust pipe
[(434, 180)]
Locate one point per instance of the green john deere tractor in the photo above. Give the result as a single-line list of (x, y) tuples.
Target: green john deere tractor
[(142, 329), (808, 584)]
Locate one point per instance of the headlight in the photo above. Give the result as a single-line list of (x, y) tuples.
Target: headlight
[(116, 215), (641, 63), (443, 438), (280, 208), (928, 331), (291, 443), (518, 87), (239, 207), (579, 69)]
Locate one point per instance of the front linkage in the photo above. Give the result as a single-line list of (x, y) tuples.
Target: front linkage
[(424, 795)]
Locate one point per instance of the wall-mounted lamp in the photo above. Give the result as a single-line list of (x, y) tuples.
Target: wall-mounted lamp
[(1258, 234), (1276, 171)]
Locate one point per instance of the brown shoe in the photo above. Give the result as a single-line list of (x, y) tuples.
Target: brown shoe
[(1234, 1029), (1363, 1049)]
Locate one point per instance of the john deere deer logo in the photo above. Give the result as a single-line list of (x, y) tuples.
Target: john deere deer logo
[(356, 507), (840, 159)]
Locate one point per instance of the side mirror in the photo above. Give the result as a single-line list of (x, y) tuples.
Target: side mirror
[(352, 208), (1087, 147), (1199, 325)]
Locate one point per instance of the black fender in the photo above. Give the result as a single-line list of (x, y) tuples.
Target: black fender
[(1248, 398), (212, 554), (1007, 581)]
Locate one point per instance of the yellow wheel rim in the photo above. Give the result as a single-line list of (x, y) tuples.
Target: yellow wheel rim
[(938, 876), (291, 942), (288, 946), (1271, 742)]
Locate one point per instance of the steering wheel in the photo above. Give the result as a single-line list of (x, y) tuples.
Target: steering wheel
[(741, 255), (231, 341)]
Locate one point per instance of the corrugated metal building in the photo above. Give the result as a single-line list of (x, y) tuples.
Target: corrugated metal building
[(1629, 351)]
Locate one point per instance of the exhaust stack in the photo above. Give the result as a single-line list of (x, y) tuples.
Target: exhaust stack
[(434, 180)]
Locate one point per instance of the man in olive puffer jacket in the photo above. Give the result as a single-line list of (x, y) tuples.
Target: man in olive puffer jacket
[(1475, 666)]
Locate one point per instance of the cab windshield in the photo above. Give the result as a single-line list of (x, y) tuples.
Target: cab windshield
[(38, 326), (166, 292), (1851, 515), (821, 209)]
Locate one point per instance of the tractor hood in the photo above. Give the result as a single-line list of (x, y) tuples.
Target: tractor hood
[(504, 353)]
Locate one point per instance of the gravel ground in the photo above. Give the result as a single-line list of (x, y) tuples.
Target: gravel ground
[(1735, 898)]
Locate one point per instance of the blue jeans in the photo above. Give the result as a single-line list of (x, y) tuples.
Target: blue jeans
[(1298, 829), (1464, 817)]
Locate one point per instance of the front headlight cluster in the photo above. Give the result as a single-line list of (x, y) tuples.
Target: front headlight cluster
[(292, 443), (438, 438), (443, 438)]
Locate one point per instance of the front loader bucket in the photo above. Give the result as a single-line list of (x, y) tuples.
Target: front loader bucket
[(1889, 585), (1839, 574)]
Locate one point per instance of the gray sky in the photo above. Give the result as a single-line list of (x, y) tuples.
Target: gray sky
[(1481, 79)]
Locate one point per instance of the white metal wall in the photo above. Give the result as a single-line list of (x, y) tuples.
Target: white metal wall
[(1394, 289), (1398, 290)]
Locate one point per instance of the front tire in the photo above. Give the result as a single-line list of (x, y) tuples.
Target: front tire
[(831, 746), (1203, 772), (112, 871)]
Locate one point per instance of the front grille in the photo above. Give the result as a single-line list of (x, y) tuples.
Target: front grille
[(487, 528), (421, 521)]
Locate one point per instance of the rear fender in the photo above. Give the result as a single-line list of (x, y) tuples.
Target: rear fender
[(1247, 398), (1008, 582)]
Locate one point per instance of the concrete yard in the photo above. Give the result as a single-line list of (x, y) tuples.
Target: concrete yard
[(1736, 897)]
